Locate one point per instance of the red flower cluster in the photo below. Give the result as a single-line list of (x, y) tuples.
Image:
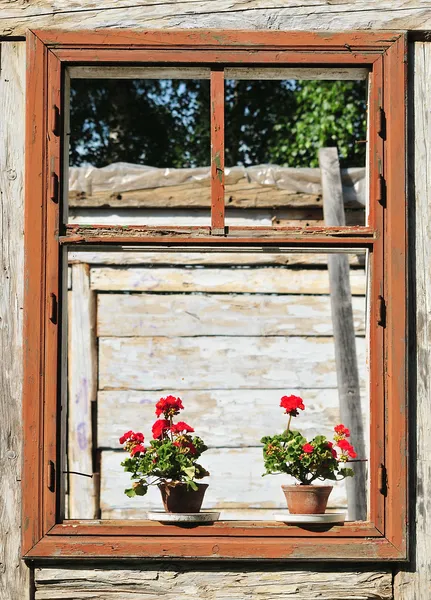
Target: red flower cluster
[(137, 448), (341, 430), (181, 427), (308, 448), (292, 404), (341, 433), (160, 427), (347, 447), (130, 436), (169, 406)]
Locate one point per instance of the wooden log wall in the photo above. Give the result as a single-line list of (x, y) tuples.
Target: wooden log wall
[(305, 581)]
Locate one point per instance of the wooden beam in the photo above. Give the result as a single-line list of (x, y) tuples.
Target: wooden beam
[(14, 575), (344, 333), (82, 382)]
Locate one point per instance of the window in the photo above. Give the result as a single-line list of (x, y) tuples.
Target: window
[(53, 234)]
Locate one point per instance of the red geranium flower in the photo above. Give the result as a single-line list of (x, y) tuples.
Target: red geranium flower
[(341, 430), (169, 406), (343, 444), (308, 448), (182, 427), (137, 437), (137, 448), (125, 436), (347, 447), (292, 404), (159, 428)]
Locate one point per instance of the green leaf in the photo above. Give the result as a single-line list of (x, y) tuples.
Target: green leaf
[(130, 492)]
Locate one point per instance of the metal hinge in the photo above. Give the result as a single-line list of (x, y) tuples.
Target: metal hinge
[(54, 188), (53, 311), (381, 315), (55, 120), (382, 480), (50, 473), (381, 123), (381, 190)]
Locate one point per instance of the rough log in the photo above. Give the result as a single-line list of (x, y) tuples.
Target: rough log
[(202, 363), (82, 382), (242, 14), (271, 280), (179, 315), (175, 257), (175, 581), (344, 333), (14, 575)]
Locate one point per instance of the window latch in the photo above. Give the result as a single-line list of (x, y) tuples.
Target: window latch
[(53, 311), (51, 476), (381, 317), (55, 120), (381, 190), (382, 480), (53, 192), (381, 123)]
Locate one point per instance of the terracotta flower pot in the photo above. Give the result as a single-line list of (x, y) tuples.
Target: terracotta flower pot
[(307, 499), (182, 499)]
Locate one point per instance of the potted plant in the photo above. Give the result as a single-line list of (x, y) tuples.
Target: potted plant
[(307, 461), (168, 461)]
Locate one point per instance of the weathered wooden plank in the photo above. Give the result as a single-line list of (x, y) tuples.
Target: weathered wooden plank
[(219, 363), (82, 382), (243, 14), (414, 583), (14, 575), (271, 280), (199, 217), (280, 73), (235, 482), (241, 195), (211, 582), (126, 315), (228, 418), (175, 257), (344, 331)]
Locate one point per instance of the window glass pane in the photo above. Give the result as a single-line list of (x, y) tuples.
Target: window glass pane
[(139, 149), (276, 120), (228, 332)]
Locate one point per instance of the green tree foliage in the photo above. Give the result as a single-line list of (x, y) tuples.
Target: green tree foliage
[(166, 123)]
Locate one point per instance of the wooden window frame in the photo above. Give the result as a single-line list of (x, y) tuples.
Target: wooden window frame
[(45, 533)]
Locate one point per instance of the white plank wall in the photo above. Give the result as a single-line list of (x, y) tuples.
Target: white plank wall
[(230, 356), (218, 414), (14, 576), (266, 281), (218, 314), (250, 362), (251, 258)]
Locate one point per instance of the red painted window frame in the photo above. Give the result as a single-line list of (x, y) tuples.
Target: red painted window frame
[(45, 533)]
